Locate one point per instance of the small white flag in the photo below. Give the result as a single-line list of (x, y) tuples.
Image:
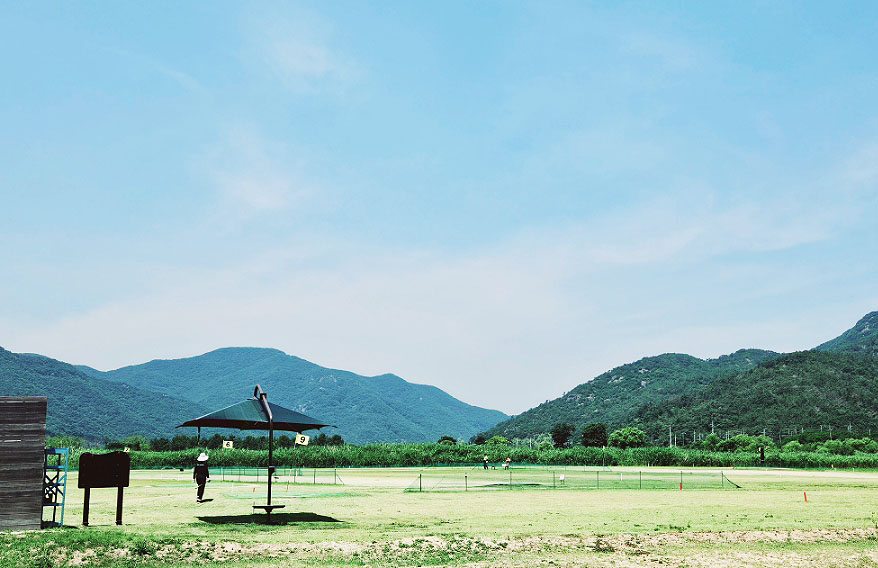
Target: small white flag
[(302, 439), (228, 444)]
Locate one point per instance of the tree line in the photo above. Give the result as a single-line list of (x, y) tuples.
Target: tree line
[(470, 455), (563, 440), (215, 442), (593, 435), (565, 435)]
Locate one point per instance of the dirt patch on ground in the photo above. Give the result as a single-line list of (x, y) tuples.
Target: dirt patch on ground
[(772, 548)]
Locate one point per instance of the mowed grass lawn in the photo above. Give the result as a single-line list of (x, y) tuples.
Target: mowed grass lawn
[(368, 518)]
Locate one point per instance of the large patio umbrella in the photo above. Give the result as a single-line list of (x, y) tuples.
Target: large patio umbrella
[(257, 413)]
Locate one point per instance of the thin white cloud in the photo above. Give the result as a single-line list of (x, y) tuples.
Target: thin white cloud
[(450, 322), (253, 175), (297, 51), (693, 226), (503, 327), (860, 170), (295, 57), (671, 53), (183, 79)]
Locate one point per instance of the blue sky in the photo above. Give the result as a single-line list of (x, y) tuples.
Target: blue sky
[(503, 199)]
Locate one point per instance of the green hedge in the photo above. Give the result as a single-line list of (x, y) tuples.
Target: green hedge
[(442, 454)]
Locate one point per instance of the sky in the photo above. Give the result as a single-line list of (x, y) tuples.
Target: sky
[(502, 199)]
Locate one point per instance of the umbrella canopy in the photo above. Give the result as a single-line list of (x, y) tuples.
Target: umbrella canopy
[(249, 415), (257, 413)]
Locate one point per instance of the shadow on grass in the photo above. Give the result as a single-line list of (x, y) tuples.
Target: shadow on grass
[(276, 519)]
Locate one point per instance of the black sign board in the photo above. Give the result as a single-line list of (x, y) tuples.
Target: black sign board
[(104, 470)]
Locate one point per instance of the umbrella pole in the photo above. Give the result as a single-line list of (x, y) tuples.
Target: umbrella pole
[(270, 467)]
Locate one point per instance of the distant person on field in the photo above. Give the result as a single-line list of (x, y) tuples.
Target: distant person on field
[(201, 475), (506, 464), (486, 461)]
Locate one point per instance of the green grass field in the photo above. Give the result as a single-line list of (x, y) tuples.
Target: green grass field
[(459, 516)]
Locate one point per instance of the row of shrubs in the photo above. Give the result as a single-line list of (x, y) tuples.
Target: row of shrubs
[(631, 437), (215, 442), (446, 454)]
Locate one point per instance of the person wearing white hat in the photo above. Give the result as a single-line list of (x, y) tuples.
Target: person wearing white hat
[(201, 475)]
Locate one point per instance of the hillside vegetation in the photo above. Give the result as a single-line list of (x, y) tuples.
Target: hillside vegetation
[(750, 390), (809, 389), (862, 338), (383, 409), (83, 406), (614, 397)]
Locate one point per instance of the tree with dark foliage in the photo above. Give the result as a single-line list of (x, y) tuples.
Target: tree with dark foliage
[(478, 439), (561, 433), (594, 435)]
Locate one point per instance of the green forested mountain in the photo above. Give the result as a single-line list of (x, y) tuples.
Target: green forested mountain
[(84, 406), (366, 409), (751, 389), (862, 338), (615, 396), (746, 390), (809, 389)]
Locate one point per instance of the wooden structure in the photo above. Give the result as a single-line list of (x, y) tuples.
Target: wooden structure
[(22, 458)]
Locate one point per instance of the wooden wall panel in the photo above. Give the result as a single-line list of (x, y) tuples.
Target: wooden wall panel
[(22, 440)]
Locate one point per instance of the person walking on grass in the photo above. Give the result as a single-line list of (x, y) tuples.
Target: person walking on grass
[(201, 475), (486, 461)]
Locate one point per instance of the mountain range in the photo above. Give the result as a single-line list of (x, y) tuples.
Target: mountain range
[(150, 399), (87, 407), (751, 390), (836, 384)]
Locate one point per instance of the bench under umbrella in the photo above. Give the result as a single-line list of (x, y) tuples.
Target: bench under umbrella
[(256, 413)]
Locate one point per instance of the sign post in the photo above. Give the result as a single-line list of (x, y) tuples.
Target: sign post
[(104, 470)]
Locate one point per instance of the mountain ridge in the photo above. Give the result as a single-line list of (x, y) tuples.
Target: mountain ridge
[(862, 338), (806, 389), (383, 408), (84, 406), (608, 397), (680, 378)]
